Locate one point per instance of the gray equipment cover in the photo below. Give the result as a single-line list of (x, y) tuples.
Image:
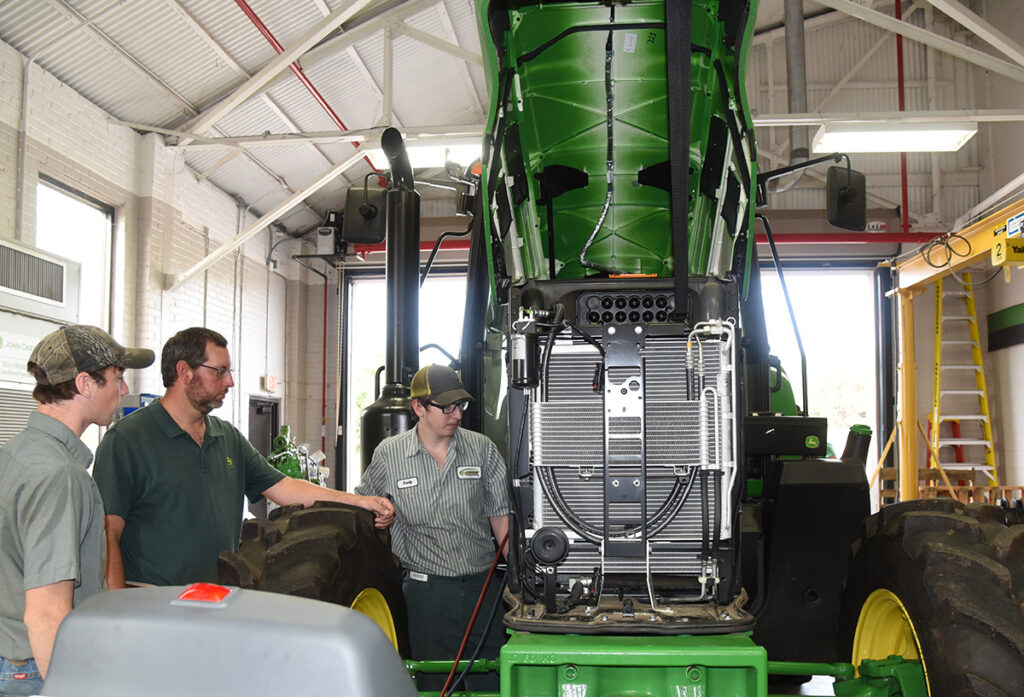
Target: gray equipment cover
[(145, 641)]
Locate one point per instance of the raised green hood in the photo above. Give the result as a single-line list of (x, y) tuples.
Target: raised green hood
[(551, 105)]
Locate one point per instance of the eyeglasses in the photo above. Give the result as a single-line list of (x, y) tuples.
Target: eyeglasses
[(221, 372), (461, 406)]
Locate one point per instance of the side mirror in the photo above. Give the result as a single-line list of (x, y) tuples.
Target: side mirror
[(366, 213), (846, 192)]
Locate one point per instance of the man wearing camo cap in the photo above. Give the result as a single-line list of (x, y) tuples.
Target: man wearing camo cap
[(51, 515)]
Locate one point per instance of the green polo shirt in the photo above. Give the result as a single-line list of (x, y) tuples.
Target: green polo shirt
[(182, 504)]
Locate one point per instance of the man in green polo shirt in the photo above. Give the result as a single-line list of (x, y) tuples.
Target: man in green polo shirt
[(173, 477)]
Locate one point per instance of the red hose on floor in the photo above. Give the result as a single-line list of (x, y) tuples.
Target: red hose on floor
[(472, 620)]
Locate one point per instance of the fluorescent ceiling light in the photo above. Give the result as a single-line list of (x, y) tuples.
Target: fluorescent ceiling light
[(852, 136), (423, 156)]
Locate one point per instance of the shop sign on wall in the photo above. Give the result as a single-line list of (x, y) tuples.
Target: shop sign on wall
[(15, 348)]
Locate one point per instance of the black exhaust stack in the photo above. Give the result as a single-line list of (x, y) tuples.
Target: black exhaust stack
[(392, 413)]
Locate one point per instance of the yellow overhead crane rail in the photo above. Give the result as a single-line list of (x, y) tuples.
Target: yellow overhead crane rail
[(914, 275)]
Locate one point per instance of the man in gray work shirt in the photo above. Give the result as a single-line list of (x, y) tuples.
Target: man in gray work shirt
[(449, 489), (51, 515)]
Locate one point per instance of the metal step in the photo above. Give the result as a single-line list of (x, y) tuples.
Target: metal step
[(969, 366), (943, 442), (950, 467), (962, 417), (943, 393)]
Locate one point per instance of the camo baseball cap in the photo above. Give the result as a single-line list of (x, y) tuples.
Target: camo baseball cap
[(438, 383), (79, 348)]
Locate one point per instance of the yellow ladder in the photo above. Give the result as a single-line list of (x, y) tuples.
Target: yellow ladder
[(961, 430)]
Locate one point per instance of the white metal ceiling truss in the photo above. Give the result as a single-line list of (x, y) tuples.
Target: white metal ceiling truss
[(354, 21), (275, 66), (173, 281), (982, 29), (941, 43)]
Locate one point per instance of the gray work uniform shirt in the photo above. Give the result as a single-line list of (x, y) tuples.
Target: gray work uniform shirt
[(51, 523), (441, 513)]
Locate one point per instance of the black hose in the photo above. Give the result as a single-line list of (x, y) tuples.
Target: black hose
[(609, 52), (717, 520), (483, 637), (517, 511), (586, 337), (546, 356), (704, 522), (659, 521), (789, 306), (437, 247)]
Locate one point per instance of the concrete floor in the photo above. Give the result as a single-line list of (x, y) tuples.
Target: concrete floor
[(819, 686)]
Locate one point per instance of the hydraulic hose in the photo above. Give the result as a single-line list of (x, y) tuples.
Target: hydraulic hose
[(469, 628), (483, 638)]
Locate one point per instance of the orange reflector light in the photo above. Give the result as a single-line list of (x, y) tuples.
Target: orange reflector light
[(632, 275), (204, 593)]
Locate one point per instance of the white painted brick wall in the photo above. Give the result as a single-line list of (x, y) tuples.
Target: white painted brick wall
[(166, 219), (1006, 380)]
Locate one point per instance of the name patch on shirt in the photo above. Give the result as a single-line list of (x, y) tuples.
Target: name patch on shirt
[(406, 483), (469, 473)]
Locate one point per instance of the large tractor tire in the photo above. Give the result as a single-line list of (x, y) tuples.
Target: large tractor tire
[(942, 582), (329, 551)]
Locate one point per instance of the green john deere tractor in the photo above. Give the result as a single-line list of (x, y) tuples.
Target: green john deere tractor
[(676, 529), (672, 532)]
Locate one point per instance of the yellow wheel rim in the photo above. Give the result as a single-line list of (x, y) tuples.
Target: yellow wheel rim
[(372, 604), (885, 629)]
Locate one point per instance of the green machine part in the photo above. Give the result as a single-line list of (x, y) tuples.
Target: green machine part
[(546, 665), (580, 112), (294, 460), (285, 455), (729, 665)]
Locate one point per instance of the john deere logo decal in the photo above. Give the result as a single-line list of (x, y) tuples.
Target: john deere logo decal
[(812, 442), (230, 463)]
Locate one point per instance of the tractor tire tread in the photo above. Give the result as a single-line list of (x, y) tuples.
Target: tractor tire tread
[(329, 551), (959, 570)]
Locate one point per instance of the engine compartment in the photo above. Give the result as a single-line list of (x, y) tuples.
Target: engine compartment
[(629, 489)]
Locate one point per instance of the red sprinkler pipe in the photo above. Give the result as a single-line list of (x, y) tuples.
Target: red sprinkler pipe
[(849, 237), (323, 378), (254, 18), (901, 90), (362, 250), (448, 246)]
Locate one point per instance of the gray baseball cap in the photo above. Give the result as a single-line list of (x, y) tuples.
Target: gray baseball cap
[(79, 348)]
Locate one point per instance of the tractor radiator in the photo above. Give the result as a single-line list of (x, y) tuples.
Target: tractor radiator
[(632, 449)]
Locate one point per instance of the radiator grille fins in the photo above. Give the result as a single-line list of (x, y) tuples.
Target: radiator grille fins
[(568, 442)]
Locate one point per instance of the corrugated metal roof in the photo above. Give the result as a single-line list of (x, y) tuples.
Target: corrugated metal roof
[(158, 62)]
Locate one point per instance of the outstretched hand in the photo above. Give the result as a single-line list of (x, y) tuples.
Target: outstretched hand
[(383, 510)]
